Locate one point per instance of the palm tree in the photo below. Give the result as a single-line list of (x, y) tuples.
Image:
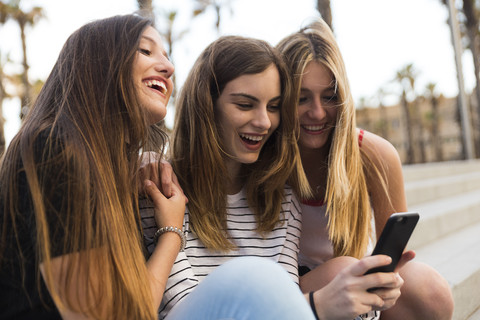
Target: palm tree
[(435, 121), (13, 11), (384, 124), (406, 77)]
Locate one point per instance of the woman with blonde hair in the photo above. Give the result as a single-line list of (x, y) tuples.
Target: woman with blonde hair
[(352, 173)]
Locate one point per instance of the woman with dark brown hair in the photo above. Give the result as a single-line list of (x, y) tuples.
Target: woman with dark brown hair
[(70, 239)]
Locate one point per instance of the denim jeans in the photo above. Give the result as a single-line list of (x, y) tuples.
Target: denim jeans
[(245, 288)]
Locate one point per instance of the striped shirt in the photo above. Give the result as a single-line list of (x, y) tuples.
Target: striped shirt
[(196, 262)]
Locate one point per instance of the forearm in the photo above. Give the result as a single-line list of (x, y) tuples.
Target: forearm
[(161, 262)]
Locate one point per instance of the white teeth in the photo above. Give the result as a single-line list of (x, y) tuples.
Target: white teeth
[(251, 137), (163, 87), (314, 128), (159, 84)]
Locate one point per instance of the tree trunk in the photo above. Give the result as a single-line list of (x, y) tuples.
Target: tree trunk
[(146, 9), (410, 156), (437, 140), (25, 97), (419, 131), (384, 122), (323, 6), (472, 26), (3, 94)]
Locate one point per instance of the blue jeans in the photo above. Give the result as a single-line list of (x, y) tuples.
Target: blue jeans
[(245, 288)]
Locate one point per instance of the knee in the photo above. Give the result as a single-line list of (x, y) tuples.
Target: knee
[(426, 292)]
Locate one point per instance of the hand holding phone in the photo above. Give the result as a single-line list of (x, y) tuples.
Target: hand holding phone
[(394, 238)]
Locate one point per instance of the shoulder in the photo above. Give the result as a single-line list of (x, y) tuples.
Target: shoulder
[(379, 151)]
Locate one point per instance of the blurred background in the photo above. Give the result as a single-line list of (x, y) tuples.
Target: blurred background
[(413, 70)]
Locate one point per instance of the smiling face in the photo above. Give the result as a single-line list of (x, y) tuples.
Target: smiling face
[(152, 73), (248, 111), (318, 106)]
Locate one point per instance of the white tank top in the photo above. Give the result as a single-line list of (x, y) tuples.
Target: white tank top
[(315, 246)]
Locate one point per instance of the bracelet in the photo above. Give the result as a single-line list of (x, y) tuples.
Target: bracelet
[(178, 231), (312, 305)]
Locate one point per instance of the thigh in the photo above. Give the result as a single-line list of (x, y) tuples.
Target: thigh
[(324, 273), (245, 288)]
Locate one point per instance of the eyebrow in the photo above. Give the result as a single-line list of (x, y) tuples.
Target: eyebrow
[(249, 96)]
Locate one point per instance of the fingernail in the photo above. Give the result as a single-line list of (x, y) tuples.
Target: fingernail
[(147, 183)]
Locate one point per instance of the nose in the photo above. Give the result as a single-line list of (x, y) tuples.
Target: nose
[(317, 110), (165, 66), (262, 119)]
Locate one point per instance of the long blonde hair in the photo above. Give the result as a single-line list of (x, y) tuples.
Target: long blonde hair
[(77, 154), (348, 204), (198, 156)]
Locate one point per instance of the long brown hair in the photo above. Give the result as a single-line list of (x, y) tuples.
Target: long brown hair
[(198, 157), (90, 128), (348, 204)]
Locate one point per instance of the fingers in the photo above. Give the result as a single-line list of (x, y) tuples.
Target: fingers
[(406, 256), (153, 191), (166, 177), (168, 211), (389, 294), (367, 263)]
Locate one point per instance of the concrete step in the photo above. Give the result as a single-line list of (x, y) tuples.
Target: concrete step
[(475, 315), (422, 171), (441, 187), (457, 258), (444, 216)]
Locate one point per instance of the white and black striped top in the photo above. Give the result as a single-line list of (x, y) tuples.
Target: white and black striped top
[(196, 262)]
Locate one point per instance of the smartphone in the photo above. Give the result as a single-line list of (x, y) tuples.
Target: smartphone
[(394, 238)]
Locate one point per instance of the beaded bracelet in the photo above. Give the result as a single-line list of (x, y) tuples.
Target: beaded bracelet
[(178, 231)]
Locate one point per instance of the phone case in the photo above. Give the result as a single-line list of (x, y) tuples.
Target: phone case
[(394, 238)]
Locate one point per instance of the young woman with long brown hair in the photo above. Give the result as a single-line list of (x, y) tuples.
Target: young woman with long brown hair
[(70, 238)]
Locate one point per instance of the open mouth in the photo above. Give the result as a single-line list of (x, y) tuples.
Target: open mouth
[(157, 85), (251, 139)]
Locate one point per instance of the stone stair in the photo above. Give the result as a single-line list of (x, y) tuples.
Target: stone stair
[(447, 237)]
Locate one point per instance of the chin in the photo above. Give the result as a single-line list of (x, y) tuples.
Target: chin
[(313, 144)]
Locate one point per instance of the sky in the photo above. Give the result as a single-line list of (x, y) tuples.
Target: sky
[(377, 38)]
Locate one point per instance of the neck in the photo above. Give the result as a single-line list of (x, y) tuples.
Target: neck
[(315, 165), (235, 181)]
